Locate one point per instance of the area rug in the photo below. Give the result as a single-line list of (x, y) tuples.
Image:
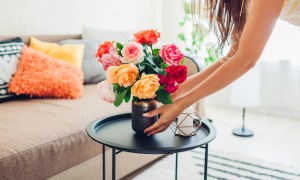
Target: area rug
[(221, 166)]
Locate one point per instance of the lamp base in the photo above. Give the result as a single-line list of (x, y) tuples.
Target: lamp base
[(242, 132)]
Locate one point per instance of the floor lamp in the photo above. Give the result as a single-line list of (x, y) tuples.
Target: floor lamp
[(245, 93)]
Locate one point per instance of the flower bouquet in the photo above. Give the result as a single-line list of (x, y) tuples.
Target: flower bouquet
[(140, 70)]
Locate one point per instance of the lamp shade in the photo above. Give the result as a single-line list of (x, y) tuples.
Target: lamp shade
[(246, 91)]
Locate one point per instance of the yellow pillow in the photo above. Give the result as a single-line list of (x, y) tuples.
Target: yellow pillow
[(72, 53)]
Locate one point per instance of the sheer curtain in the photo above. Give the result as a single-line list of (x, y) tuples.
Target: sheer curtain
[(279, 68)]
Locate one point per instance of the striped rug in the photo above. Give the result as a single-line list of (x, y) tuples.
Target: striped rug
[(221, 166)]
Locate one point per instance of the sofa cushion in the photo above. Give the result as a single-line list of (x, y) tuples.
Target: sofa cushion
[(10, 51), (42, 137), (68, 53), (92, 69), (43, 76), (106, 35)]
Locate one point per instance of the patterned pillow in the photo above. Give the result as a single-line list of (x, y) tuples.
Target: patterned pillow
[(10, 51), (40, 75)]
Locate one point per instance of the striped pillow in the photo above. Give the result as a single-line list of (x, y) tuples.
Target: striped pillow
[(10, 51)]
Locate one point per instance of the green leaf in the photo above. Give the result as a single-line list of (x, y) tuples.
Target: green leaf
[(163, 96), (119, 99), (135, 98), (155, 52), (149, 62), (119, 52), (128, 95), (181, 36), (158, 60), (119, 46), (188, 49), (182, 61)]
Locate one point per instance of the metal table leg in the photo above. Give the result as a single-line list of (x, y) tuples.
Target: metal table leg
[(176, 166), (113, 163), (206, 162), (103, 162)]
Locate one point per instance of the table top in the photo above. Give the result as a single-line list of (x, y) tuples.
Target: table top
[(115, 131)]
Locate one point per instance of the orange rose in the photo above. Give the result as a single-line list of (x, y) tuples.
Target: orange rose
[(105, 48), (110, 74), (125, 75), (146, 87), (147, 37)]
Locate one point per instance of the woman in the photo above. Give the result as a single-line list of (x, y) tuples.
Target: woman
[(248, 27)]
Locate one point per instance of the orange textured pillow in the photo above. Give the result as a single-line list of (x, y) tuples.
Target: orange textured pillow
[(43, 76)]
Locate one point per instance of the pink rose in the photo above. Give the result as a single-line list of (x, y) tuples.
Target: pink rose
[(171, 54), (111, 59), (105, 92), (132, 52)]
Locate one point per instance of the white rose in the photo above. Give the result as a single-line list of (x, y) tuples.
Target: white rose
[(105, 92)]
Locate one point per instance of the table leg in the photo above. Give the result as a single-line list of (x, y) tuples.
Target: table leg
[(176, 166), (206, 162), (113, 163), (103, 162)]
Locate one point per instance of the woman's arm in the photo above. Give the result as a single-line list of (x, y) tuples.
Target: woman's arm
[(194, 80), (262, 18)]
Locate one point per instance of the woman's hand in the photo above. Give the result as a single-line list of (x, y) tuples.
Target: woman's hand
[(168, 113)]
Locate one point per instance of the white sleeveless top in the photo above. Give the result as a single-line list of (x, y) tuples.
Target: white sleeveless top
[(291, 12)]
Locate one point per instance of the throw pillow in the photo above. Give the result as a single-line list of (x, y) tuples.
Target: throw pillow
[(106, 35), (43, 76), (92, 69), (10, 51), (69, 53)]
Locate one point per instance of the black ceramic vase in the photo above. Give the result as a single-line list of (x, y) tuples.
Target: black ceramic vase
[(139, 107)]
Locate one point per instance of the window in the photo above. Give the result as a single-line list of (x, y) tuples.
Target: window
[(283, 43)]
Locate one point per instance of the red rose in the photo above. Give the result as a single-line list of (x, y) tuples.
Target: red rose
[(147, 37), (172, 86), (163, 80), (105, 48), (178, 73), (171, 54)]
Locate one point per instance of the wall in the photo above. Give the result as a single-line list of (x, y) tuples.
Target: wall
[(171, 14), (26, 17)]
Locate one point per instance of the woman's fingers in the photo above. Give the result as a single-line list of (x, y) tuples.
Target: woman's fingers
[(151, 128), (158, 130), (153, 113)]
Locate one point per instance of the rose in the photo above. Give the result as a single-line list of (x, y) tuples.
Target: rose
[(171, 54), (105, 92), (132, 52), (110, 74), (146, 87), (147, 37), (171, 86), (163, 79), (178, 73), (108, 60), (105, 48), (125, 75)]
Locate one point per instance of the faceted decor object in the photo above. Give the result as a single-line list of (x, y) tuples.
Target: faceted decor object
[(187, 123)]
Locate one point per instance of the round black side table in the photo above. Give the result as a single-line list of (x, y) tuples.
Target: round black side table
[(115, 132)]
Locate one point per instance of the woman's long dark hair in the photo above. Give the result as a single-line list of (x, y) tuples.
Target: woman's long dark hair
[(227, 18)]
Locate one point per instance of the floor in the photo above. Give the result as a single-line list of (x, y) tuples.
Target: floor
[(276, 139)]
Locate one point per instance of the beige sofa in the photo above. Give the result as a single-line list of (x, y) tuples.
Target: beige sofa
[(46, 138)]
